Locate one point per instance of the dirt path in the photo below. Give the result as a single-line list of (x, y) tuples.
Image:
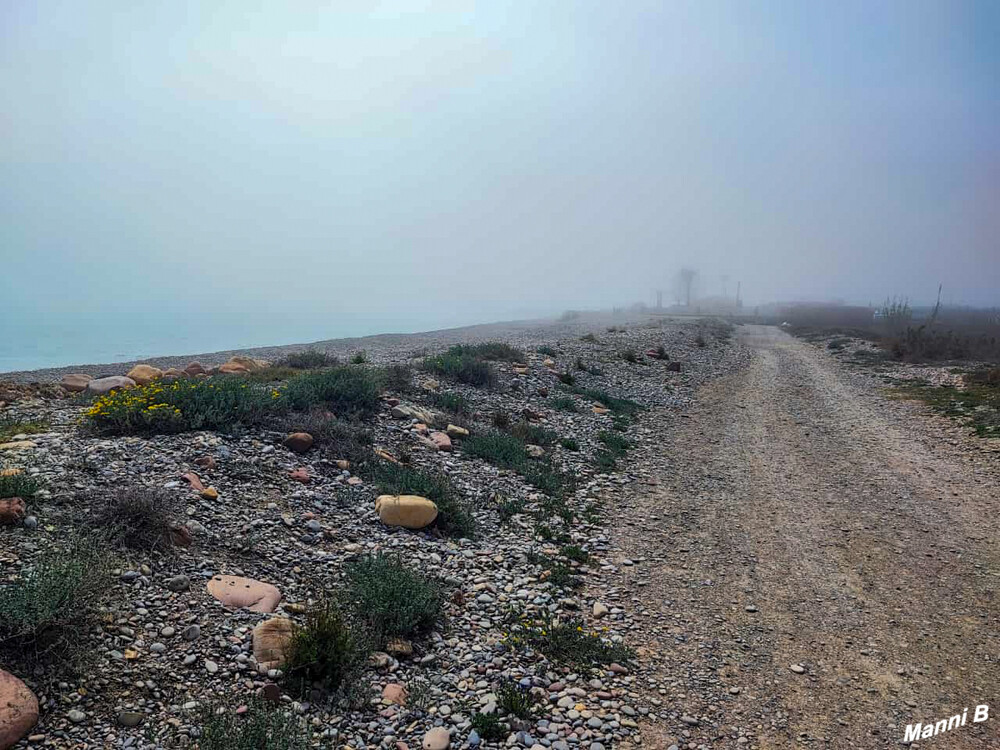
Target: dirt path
[(792, 518)]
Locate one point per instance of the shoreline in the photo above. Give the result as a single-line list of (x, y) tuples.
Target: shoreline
[(376, 346)]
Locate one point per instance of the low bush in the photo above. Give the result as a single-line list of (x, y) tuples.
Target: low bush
[(454, 514), (262, 726), (455, 403), (575, 553), (397, 378), (547, 350), (349, 391), (389, 599), (508, 507), (501, 419), (616, 405), (590, 338), (514, 699), (463, 368), (630, 355), (10, 426), (44, 611), (489, 727), (19, 485), (490, 350), (339, 438), (566, 378), (567, 643), (215, 403), (533, 434), (605, 461), (497, 448), (136, 518), (324, 652), (359, 357), (617, 444), (570, 444), (307, 359), (563, 403)]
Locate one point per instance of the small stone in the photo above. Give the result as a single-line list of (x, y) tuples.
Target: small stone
[(600, 610), (437, 739), (178, 583), (130, 718), (797, 668), (76, 716), (298, 442)]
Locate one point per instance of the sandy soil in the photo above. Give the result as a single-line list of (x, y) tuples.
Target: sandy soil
[(794, 516)]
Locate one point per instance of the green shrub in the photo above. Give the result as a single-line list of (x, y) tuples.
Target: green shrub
[(46, 609), (323, 652), (463, 368), (20, 485), (390, 600), (616, 405), (397, 378), (508, 507), (215, 403), (617, 444), (570, 444), (630, 355), (533, 434), (497, 448), (567, 643), (350, 391), (489, 727), (339, 438), (566, 378), (501, 419), (454, 515), (359, 357), (563, 403), (590, 338), (9, 427), (605, 461), (270, 375), (136, 518), (575, 553), (262, 726), (307, 359), (452, 402), (491, 350), (514, 699), (547, 350)]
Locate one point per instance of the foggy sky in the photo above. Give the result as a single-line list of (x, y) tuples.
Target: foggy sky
[(431, 162)]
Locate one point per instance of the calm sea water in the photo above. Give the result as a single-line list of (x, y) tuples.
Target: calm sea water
[(74, 340), (30, 347)]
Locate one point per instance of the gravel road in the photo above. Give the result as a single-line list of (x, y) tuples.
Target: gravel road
[(818, 566)]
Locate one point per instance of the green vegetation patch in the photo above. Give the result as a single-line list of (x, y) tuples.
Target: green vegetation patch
[(263, 726), (977, 405), (390, 600)]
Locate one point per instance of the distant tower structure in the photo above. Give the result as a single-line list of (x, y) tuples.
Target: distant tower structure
[(739, 302)]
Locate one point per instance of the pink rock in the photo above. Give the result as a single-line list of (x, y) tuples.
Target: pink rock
[(240, 593), (12, 510), (441, 441), (18, 709), (394, 693), (195, 368), (193, 479), (299, 442), (76, 383), (300, 475)]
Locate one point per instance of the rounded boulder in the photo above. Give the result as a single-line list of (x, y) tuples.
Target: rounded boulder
[(18, 709), (144, 374), (408, 511)]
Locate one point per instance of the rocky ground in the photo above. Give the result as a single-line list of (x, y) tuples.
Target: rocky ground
[(165, 647)]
